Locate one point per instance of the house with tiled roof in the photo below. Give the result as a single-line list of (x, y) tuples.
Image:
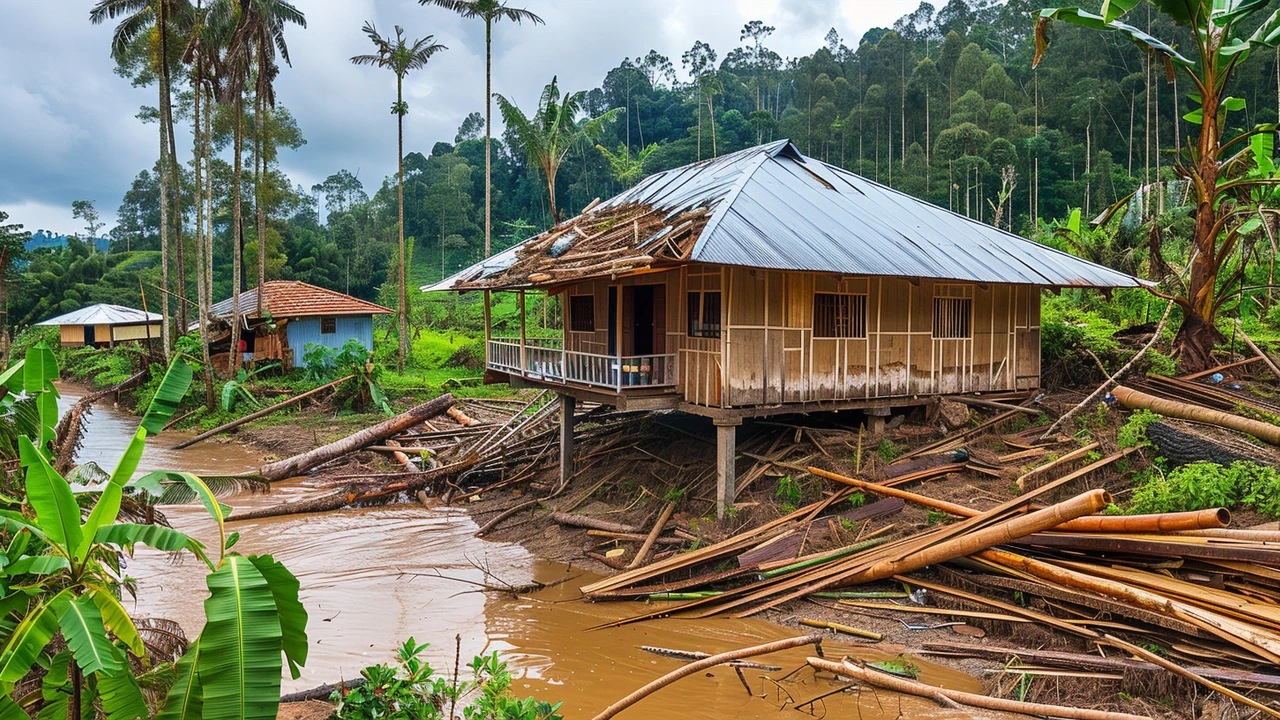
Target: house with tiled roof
[(293, 315)]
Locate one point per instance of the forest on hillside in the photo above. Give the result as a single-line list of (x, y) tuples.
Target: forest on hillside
[(945, 105)]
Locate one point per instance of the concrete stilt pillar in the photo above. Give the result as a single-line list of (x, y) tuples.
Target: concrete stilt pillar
[(726, 452), (567, 406), (875, 420)]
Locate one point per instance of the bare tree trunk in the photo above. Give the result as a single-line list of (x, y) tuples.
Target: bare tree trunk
[(176, 177), (403, 323), (164, 233), (259, 176), (711, 114), (300, 464), (237, 239), (202, 287), (488, 133)]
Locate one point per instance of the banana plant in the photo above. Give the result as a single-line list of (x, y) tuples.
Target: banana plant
[(1224, 33), (59, 572)]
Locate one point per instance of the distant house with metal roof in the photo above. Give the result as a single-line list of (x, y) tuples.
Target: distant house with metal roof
[(295, 314), (766, 282), (104, 325)]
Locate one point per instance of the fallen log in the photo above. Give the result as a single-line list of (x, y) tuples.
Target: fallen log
[(1198, 413), (259, 414), (846, 668), (688, 655), (583, 521), (355, 495), (299, 464), (703, 664), (323, 692)]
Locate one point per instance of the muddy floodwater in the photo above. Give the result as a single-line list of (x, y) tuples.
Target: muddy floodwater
[(370, 578)]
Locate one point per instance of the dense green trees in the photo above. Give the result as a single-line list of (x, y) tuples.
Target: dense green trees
[(945, 105)]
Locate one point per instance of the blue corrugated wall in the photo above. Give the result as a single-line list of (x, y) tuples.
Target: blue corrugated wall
[(301, 331)]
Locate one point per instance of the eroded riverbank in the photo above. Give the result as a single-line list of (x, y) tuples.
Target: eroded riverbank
[(369, 581)]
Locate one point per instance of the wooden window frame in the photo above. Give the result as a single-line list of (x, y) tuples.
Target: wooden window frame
[(697, 325), (955, 323), (331, 322), (854, 327), (574, 315)]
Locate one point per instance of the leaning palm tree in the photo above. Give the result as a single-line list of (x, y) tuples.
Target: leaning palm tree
[(158, 16), (399, 57), (489, 11), (553, 130)]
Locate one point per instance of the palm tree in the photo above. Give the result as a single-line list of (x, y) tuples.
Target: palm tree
[(489, 11), (232, 79), (549, 135), (138, 17), (399, 57), (263, 27)]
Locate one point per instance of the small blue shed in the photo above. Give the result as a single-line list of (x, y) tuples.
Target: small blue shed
[(301, 314)]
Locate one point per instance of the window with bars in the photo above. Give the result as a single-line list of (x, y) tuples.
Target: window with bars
[(328, 325), (952, 318), (839, 315), (582, 313), (704, 314)]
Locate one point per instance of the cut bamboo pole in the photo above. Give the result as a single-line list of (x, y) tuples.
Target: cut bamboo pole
[(846, 668), (1186, 411), (1163, 522), (703, 664), (942, 505), (261, 413), (643, 556), (841, 628), (1073, 455), (1144, 654)]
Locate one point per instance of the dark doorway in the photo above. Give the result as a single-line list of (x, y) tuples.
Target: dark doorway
[(613, 320), (642, 319), (89, 338)]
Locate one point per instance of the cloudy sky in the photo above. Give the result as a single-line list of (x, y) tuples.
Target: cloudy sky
[(68, 126)]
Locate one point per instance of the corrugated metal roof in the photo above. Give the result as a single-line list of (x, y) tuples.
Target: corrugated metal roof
[(103, 314), (775, 208), (292, 298)]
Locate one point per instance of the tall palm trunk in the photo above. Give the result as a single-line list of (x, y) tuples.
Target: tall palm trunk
[(237, 243), (202, 286), (259, 171), (175, 177), (488, 135), (1194, 343), (404, 294), (164, 232)]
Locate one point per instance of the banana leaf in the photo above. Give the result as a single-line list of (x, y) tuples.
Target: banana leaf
[(10, 710), (154, 483), (127, 535), (168, 397), (14, 377), (185, 700), (293, 616), (241, 644), (116, 619), (29, 638), (86, 636), (57, 513), (40, 370), (121, 697), (38, 565)]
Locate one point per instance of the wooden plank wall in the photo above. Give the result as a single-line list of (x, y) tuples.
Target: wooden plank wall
[(772, 356)]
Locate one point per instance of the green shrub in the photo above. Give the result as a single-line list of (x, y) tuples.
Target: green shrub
[(888, 450), (789, 492), (411, 690), (1134, 432), (1198, 486)]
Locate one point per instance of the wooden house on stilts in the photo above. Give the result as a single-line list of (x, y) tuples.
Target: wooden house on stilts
[(766, 282)]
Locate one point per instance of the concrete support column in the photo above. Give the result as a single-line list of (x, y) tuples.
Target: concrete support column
[(567, 407), (875, 420), (726, 452)]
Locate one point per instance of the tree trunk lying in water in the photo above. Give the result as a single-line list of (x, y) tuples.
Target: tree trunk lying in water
[(356, 494), (299, 464)]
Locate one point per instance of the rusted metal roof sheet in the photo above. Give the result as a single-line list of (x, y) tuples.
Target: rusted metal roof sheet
[(292, 298), (771, 207)]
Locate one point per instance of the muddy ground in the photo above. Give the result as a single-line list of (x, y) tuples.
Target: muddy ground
[(672, 455)]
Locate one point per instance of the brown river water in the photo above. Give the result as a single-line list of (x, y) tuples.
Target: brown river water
[(368, 582)]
